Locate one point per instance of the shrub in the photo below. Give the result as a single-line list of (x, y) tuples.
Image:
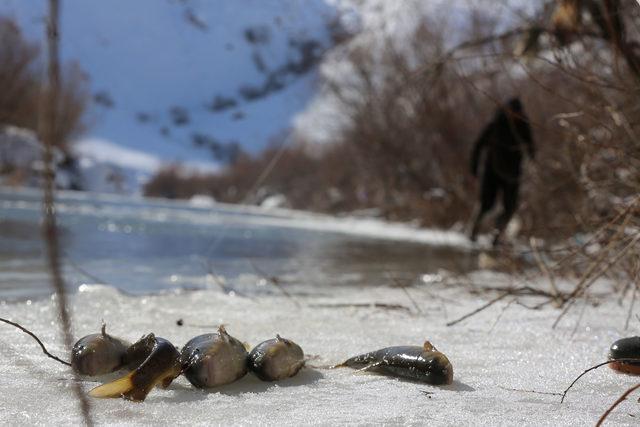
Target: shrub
[(21, 86)]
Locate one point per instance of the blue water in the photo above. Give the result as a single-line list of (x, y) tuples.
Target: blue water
[(147, 246)]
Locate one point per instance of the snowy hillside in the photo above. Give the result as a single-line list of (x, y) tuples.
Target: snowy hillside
[(187, 80)]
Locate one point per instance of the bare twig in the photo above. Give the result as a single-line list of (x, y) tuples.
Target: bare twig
[(590, 277), (49, 135), (275, 282), (499, 316), (84, 272), (545, 270), (580, 317), (403, 288), (478, 310), (632, 360), (28, 332), (380, 305), (633, 300), (549, 393), (226, 289), (616, 403)]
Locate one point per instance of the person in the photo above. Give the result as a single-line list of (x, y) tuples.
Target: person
[(504, 140)]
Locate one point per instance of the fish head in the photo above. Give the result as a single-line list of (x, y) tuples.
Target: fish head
[(98, 354)]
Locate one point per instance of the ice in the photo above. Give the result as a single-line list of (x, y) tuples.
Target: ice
[(503, 348)]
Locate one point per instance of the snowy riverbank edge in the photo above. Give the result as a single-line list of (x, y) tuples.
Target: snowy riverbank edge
[(496, 355), (215, 213)]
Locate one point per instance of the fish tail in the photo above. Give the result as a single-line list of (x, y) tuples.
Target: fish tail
[(122, 387), (356, 362), (344, 364)]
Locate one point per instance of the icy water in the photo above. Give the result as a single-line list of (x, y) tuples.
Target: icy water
[(148, 246)]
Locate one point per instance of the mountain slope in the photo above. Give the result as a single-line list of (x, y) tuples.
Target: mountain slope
[(188, 80)]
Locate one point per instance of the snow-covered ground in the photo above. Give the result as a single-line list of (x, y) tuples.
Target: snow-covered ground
[(498, 356)]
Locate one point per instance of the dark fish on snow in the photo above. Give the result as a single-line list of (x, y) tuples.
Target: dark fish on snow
[(276, 359), (99, 354), (211, 360), (626, 348), (424, 363), (160, 366)]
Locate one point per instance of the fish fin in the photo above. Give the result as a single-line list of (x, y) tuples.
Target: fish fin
[(246, 346), (339, 365), (371, 366), (428, 346), (117, 388), (166, 382)]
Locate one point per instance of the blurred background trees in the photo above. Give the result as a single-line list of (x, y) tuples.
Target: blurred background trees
[(21, 71), (408, 113)]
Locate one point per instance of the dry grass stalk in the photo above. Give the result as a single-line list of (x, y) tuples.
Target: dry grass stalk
[(49, 136), (616, 403)]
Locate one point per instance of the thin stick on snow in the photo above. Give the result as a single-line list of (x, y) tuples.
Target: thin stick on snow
[(28, 332), (478, 310), (616, 403), (564, 394), (548, 393), (379, 305), (403, 287), (499, 316)]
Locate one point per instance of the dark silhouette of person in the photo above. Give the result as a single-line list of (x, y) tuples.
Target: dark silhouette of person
[(503, 140)]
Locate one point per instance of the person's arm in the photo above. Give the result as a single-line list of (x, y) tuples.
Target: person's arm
[(479, 145)]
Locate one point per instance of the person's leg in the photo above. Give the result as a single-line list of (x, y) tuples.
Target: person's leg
[(488, 193), (510, 205)]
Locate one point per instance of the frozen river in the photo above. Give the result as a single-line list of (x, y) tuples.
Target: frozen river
[(146, 246)]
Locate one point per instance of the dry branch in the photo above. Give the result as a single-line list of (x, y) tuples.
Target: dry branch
[(28, 332), (478, 310), (564, 394), (616, 403)]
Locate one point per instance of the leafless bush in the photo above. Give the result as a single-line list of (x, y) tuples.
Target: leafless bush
[(21, 86), (411, 110)]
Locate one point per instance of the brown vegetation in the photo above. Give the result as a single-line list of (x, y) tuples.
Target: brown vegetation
[(21, 86), (412, 112)]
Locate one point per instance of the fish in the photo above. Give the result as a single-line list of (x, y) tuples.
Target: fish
[(99, 354), (161, 365), (276, 359), (425, 364), (626, 348), (215, 359)]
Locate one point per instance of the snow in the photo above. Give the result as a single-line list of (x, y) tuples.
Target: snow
[(504, 347), (498, 355), (105, 151)]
